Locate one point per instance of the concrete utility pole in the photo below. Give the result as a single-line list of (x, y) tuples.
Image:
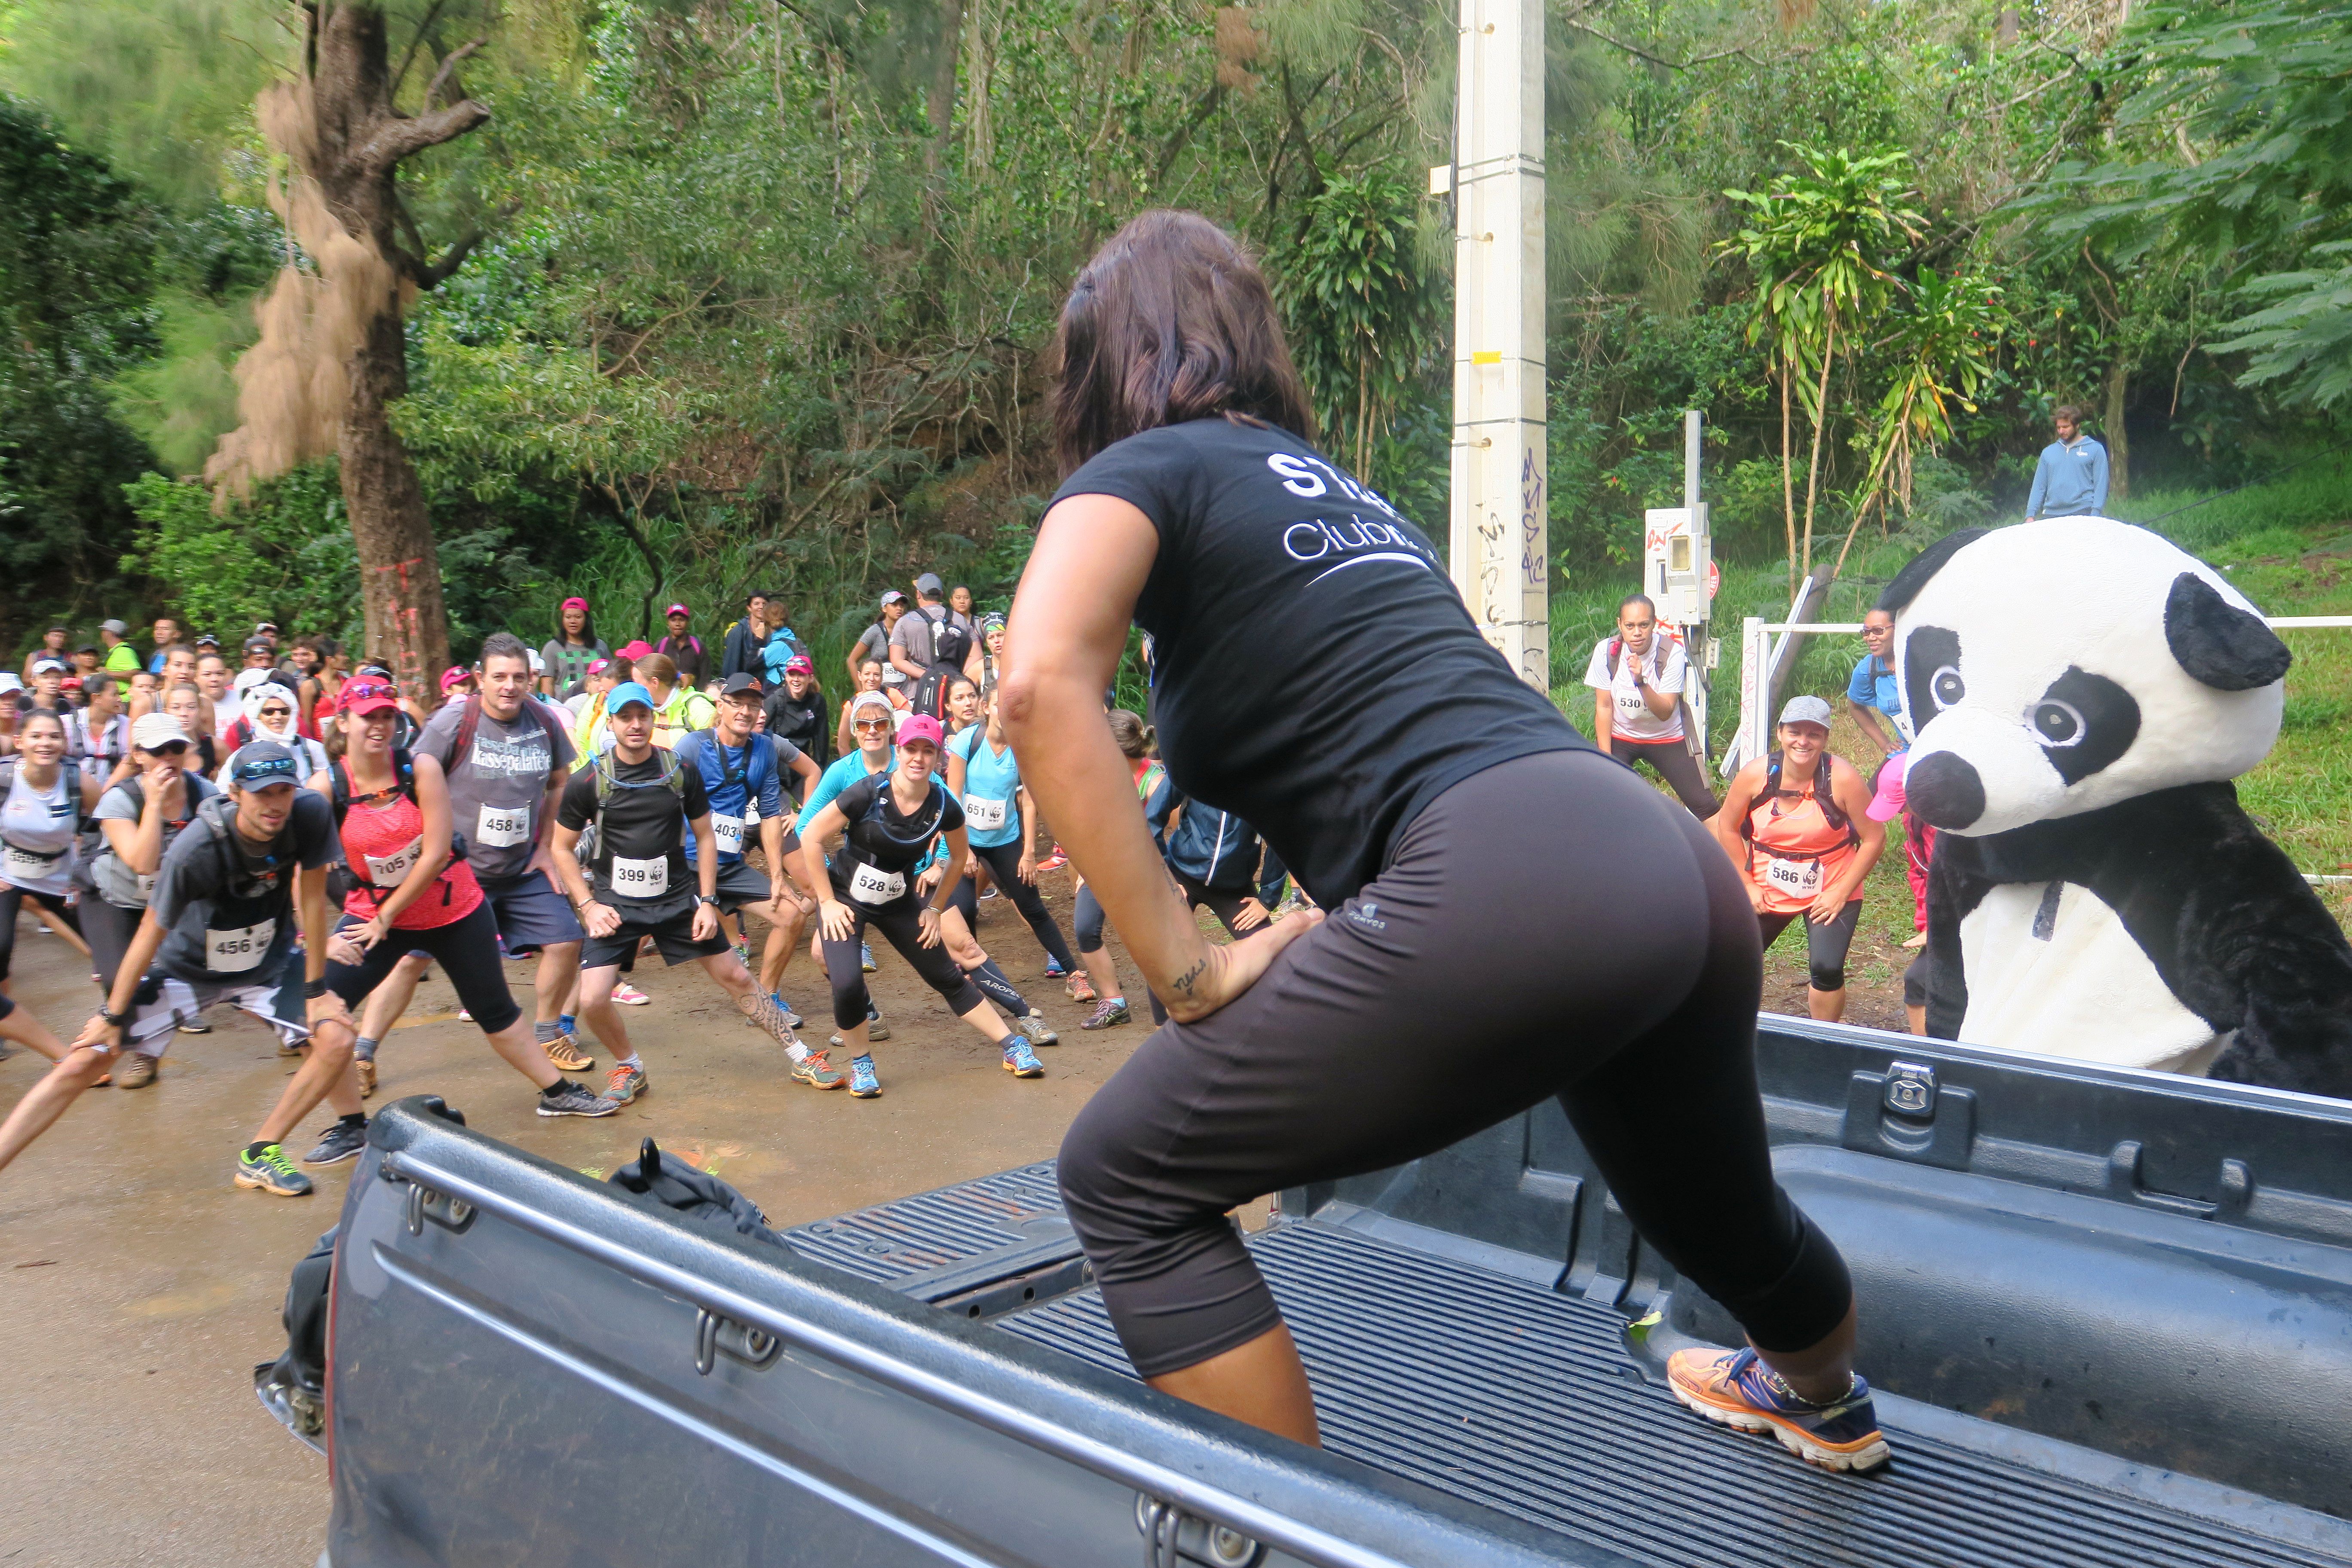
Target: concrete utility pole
[(1499, 544)]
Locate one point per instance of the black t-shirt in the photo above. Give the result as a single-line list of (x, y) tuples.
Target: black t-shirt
[(1315, 672), (881, 836), (802, 721), (640, 859), (228, 907)]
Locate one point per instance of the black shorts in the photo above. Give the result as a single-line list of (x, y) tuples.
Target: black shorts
[(741, 884), (673, 938), (530, 913)]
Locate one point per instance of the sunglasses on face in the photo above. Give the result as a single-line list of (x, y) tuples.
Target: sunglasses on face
[(168, 749), (871, 724), (275, 710)]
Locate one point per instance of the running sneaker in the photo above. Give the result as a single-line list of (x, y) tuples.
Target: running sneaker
[(272, 1171), (1021, 1059), (815, 1071), (1737, 1389), (1081, 989), (1055, 861), (135, 1070), (1039, 1032), (571, 1098), (625, 1083), (364, 1068), (742, 951), (988, 893), (342, 1141), (875, 1029), (563, 1053), (629, 996), (195, 1025), (1053, 970), (866, 956), (464, 1016), (863, 1080), (289, 1047), (794, 1019), (1107, 1016), (763, 1014)]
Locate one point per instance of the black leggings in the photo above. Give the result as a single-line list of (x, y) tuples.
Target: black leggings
[(1503, 910), (899, 921), (1087, 921), (1003, 863), (12, 900), (1675, 764), (467, 952), (108, 928), (1825, 946)]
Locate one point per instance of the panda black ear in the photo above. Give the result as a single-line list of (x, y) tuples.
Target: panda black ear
[(2223, 646), (1925, 564)]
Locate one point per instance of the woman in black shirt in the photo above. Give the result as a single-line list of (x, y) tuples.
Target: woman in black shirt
[(1317, 674)]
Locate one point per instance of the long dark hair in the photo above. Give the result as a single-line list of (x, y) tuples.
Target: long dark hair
[(1171, 321)]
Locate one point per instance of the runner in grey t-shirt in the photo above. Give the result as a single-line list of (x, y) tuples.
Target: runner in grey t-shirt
[(499, 790)]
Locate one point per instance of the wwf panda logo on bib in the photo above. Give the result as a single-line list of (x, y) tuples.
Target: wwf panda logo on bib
[(2081, 692)]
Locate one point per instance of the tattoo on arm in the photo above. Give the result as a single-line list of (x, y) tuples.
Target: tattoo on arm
[(1183, 985)]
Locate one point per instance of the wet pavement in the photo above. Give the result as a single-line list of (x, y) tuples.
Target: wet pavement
[(139, 1286)]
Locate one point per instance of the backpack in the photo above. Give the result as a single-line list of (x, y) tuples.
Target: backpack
[(673, 779), (1831, 812), (779, 649), (461, 747), (341, 881), (950, 644), (694, 1195)]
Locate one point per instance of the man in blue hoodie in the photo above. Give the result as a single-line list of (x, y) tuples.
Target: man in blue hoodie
[(2071, 479)]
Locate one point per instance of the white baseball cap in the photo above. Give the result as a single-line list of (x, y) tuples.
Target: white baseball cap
[(149, 730)]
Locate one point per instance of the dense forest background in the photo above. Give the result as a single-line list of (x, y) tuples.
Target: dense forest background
[(758, 291)]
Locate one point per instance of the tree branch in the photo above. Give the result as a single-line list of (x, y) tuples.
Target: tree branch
[(399, 139), (449, 63), (408, 56)]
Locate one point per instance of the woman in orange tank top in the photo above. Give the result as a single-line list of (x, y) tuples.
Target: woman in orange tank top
[(1796, 825)]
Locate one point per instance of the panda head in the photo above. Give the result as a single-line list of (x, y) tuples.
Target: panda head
[(2054, 668)]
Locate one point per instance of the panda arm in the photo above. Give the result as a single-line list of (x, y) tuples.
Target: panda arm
[(1955, 885)]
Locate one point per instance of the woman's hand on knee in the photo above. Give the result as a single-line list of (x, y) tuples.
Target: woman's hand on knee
[(1222, 974)]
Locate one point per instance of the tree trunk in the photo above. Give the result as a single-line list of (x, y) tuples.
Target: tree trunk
[(400, 575), (942, 99), (2118, 439), (1788, 472)]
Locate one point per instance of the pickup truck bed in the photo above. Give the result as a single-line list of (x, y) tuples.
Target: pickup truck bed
[(2111, 1314)]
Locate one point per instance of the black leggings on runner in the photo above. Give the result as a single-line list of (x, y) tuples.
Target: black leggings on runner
[(1825, 946), (1087, 921), (467, 952), (1675, 764), (899, 923), (11, 900), (108, 928), (1003, 863), (1611, 961)]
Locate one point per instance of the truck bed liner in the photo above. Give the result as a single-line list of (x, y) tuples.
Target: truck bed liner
[(1524, 1400)]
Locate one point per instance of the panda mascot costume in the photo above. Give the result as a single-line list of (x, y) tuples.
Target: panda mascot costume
[(2081, 693)]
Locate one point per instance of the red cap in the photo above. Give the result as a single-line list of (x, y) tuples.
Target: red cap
[(455, 676), (361, 698), (676, 610), (637, 649), (799, 665), (921, 727), (573, 604)]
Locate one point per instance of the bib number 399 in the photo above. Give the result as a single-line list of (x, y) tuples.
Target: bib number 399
[(640, 878), (238, 949)]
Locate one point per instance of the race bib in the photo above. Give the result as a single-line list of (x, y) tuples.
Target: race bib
[(24, 865), (389, 871), (870, 885), (1797, 878), (146, 886), (503, 827), (988, 815), (640, 878), (727, 833), (238, 949)]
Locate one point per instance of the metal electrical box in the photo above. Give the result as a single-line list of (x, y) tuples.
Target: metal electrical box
[(1678, 563)]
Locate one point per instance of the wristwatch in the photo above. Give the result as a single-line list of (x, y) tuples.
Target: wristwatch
[(314, 989), (711, 899), (112, 1020)]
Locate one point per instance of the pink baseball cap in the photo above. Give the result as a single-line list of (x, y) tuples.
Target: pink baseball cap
[(573, 604), (921, 727), (361, 698), (455, 676), (799, 665), (1886, 804), (637, 649), (676, 610)]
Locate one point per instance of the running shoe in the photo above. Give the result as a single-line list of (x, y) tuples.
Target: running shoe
[(815, 1071), (875, 1029), (135, 1070), (464, 1016), (272, 1171), (1737, 1389), (987, 893), (1106, 1015), (794, 1019), (364, 1068), (563, 1053), (624, 1084), (1055, 861), (1053, 970), (1081, 989), (866, 956), (286, 1047), (629, 996), (1039, 1032), (195, 1026), (742, 951), (763, 1014), (863, 1080), (571, 1098), (342, 1141), (1021, 1059)]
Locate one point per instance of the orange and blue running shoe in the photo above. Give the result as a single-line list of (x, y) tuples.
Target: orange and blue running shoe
[(1737, 1389)]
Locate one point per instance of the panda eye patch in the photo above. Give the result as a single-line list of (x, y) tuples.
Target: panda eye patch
[(2058, 723), (1947, 687)]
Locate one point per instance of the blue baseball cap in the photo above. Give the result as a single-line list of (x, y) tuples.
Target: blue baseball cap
[(263, 764), (629, 692)]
